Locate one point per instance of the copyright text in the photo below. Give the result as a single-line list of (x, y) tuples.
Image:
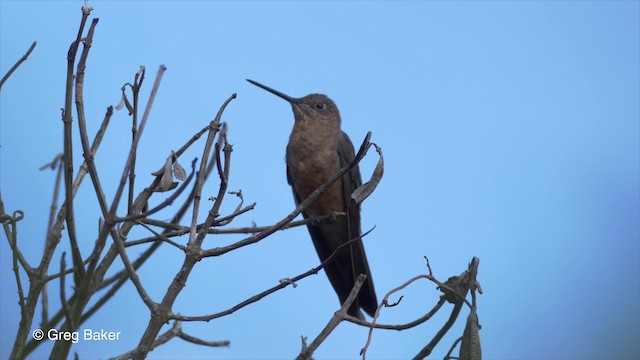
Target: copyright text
[(76, 336)]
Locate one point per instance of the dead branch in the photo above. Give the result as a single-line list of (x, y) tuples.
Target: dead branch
[(281, 285), (17, 64), (176, 331), (338, 317)]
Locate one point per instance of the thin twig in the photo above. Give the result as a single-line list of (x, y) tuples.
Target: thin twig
[(176, 331), (68, 154), (134, 145), (224, 174), (214, 127), (97, 140), (66, 272), (135, 88), (17, 64), (227, 219), (363, 352), (399, 327), (10, 230), (281, 285), (82, 123), (426, 351), (338, 317), (168, 241), (13, 243), (179, 230)]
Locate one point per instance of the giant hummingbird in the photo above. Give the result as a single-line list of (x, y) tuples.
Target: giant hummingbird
[(317, 150)]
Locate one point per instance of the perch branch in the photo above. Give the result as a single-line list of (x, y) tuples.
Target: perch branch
[(281, 285), (300, 208)]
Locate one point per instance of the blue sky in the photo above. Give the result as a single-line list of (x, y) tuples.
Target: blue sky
[(510, 132)]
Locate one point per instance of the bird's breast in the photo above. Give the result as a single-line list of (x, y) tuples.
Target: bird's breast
[(312, 159)]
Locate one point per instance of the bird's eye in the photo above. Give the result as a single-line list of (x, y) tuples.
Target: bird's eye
[(320, 105)]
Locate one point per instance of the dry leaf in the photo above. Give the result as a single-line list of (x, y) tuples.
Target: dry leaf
[(470, 348), (363, 192), (178, 171), (166, 182)]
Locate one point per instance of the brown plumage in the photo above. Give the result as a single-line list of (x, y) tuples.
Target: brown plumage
[(318, 149)]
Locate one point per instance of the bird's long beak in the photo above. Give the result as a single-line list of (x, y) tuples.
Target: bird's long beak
[(274, 91)]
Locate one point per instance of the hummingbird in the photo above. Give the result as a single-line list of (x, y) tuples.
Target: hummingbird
[(316, 151)]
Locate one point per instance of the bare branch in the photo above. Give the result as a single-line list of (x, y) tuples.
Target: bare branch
[(68, 153), (11, 231), (17, 64), (214, 127), (63, 292), (452, 294), (225, 220), (12, 237), (163, 238), (97, 140), (426, 351), (82, 123), (335, 320), (178, 230), (176, 331), (136, 140), (66, 272), (137, 83), (282, 284)]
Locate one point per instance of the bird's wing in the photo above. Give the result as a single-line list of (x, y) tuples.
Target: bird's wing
[(346, 266), (350, 182)]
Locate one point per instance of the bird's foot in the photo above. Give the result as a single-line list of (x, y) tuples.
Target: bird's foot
[(314, 220), (330, 218)]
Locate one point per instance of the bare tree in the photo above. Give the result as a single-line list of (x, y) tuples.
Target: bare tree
[(111, 241)]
